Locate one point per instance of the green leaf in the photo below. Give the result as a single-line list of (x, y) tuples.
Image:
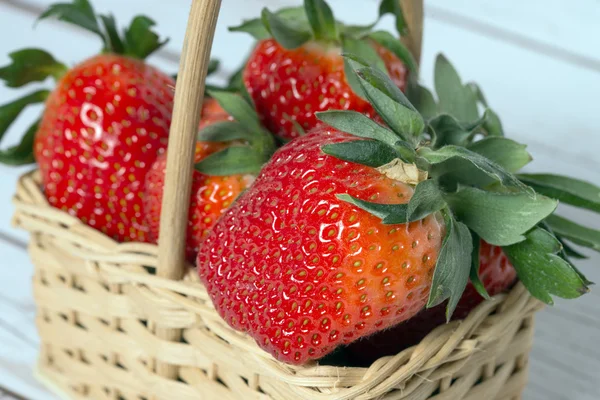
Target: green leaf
[(257, 29), (426, 200), (365, 152), (567, 190), (454, 98), (231, 161), (394, 45), (393, 7), (115, 43), (423, 100), (30, 65), (289, 35), (321, 20), (238, 108), (453, 266), (224, 131), (474, 274), (570, 251), (492, 125), (21, 154), (542, 271), (574, 232), (357, 124), (213, 66), (391, 104), (140, 40), (489, 167), (507, 153), (363, 51), (79, 13), (500, 219), (9, 112)]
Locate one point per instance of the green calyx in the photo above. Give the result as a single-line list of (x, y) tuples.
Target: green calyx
[(467, 172), (138, 40), (315, 22), (252, 145)]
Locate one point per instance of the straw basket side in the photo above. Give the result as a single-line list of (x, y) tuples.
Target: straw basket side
[(100, 302), (132, 321)]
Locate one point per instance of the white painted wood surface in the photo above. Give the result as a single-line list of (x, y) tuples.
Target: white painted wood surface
[(538, 62)]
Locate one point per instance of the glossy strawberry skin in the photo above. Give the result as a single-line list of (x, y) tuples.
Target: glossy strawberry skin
[(300, 270), (295, 84), (497, 275), (103, 126), (211, 195)]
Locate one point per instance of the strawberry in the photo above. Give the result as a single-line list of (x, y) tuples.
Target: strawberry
[(496, 274), (296, 68), (211, 195), (103, 125), (356, 227)]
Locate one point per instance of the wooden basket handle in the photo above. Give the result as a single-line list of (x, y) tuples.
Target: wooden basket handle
[(186, 114)]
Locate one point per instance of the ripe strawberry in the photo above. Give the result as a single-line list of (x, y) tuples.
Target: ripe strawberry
[(211, 195), (102, 127), (497, 275), (300, 70), (354, 227)]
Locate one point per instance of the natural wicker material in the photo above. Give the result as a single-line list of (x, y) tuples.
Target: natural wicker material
[(99, 302)]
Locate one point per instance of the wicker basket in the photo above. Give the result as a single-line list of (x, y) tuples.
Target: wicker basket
[(132, 321)]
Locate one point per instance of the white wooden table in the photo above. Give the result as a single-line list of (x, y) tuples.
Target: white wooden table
[(538, 62)]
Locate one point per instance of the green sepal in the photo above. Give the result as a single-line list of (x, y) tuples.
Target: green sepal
[(492, 125), (543, 272), (114, 42), (453, 97), (357, 124), (394, 45), (474, 274), (575, 232), (257, 29), (427, 199), (289, 35), (225, 131), (365, 152), (453, 266), (79, 13), (231, 161), (30, 65), (500, 219), (140, 40), (11, 111), (363, 51), (423, 100), (393, 7), (238, 108), (506, 153), (461, 154), (568, 190), (447, 130), (321, 20), (21, 154)]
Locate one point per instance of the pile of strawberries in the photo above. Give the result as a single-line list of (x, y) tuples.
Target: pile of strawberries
[(334, 197)]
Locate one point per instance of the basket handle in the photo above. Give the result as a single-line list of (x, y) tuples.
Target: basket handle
[(413, 14), (189, 91)]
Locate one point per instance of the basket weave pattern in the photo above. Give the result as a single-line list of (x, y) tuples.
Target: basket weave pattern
[(99, 303)]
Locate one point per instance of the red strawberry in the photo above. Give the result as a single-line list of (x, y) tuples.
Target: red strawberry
[(300, 70), (211, 195), (103, 125), (353, 229), (303, 271), (497, 275)]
